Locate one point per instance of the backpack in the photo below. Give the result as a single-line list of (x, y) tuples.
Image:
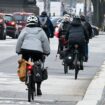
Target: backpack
[(76, 34), (43, 22)]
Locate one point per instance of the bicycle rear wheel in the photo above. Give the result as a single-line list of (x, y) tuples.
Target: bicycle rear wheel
[(76, 66), (65, 68), (76, 71), (30, 90)]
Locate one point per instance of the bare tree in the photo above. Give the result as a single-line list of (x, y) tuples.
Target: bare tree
[(99, 11)]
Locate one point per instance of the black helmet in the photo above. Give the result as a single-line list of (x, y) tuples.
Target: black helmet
[(44, 13), (82, 17)]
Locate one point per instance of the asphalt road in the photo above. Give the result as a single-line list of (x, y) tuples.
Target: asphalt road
[(59, 89)]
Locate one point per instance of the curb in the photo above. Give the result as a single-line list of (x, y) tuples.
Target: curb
[(94, 93)]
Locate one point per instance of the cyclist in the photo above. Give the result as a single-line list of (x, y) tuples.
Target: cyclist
[(33, 43), (46, 24), (63, 30), (88, 28), (77, 34)]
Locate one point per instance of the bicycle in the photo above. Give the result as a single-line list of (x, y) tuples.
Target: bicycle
[(77, 59), (73, 59), (30, 77)]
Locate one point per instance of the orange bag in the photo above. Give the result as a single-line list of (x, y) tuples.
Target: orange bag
[(22, 69)]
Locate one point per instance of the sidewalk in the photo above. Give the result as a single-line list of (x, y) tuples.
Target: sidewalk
[(95, 94)]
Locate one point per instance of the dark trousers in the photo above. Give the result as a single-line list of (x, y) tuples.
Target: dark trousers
[(86, 50), (34, 55)]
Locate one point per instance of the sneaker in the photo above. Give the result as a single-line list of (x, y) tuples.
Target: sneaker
[(39, 93), (85, 59)]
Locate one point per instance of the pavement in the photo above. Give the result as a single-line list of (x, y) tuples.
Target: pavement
[(95, 94)]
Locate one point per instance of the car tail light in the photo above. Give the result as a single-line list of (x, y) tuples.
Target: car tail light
[(29, 67), (56, 33), (1, 20), (12, 23)]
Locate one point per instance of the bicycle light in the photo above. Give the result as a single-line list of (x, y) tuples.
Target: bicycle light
[(69, 57), (29, 67)]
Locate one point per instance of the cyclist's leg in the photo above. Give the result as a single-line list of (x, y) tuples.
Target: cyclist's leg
[(39, 88), (25, 54), (81, 55)]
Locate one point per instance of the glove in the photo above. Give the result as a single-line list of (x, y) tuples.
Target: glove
[(18, 53), (51, 36)]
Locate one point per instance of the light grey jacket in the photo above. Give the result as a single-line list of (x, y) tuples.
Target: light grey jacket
[(33, 38)]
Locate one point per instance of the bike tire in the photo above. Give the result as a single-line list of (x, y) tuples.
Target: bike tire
[(65, 68), (76, 71), (76, 66), (30, 91)]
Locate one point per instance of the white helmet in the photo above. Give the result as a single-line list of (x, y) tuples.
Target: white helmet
[(32, 20), (66, 17)]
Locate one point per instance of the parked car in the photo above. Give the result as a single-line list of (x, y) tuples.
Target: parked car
[(2, 28), (20, 18), (11, 26), (55, 21)]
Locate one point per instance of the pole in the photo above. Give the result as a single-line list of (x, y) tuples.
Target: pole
[(47, 6), (85, 8)]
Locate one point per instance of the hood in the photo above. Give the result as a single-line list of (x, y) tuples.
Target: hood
[(33, 30), (75, 23)]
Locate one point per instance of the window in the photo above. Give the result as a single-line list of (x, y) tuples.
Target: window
[(31, 2)]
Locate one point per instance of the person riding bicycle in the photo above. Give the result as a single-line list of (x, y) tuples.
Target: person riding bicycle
[(46, 24), (33, 43), (88, 28), (77, 35), (63, 30)]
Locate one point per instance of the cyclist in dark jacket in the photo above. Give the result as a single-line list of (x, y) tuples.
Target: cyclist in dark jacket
[(46, 24), (32, 43), (77, 34), (88, 28), (63, 31)]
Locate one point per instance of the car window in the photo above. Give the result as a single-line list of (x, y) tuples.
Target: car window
[(25, 17), (18, 17), (8, 18)]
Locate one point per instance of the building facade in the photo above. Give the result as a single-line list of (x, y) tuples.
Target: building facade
[(10, 6)]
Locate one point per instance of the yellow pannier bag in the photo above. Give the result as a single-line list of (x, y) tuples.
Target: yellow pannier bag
[(22, 69)]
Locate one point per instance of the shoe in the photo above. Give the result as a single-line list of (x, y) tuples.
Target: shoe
[(39, 93), (85, 59)]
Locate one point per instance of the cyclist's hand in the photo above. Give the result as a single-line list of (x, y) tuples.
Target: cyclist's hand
[(18, 53)]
